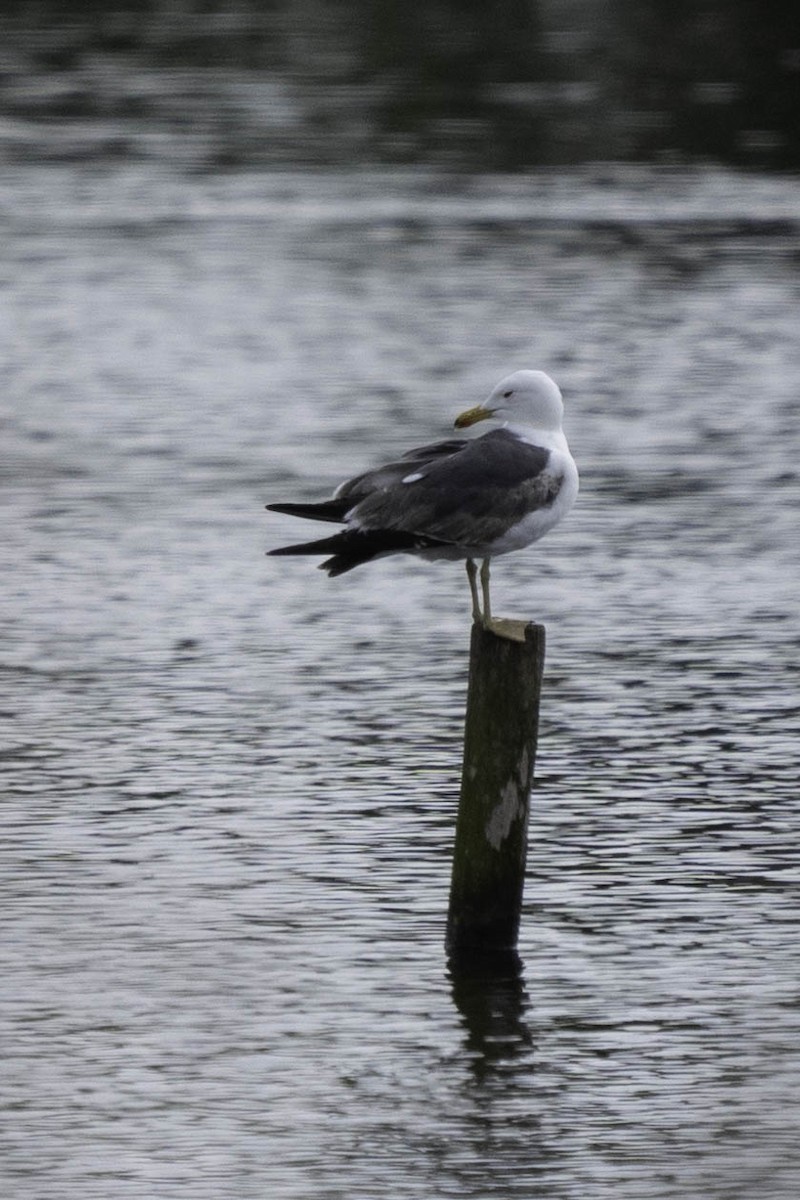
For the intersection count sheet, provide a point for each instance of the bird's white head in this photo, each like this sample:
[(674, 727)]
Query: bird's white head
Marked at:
[(529, 398)]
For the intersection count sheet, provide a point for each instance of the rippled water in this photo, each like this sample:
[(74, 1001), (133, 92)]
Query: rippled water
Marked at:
[(230, 783)]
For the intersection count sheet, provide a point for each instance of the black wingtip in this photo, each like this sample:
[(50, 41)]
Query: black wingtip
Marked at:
[(339, 564), (326, 510)]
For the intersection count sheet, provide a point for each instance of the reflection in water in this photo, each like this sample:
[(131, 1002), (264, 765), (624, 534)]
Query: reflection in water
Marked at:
[(503, 1123), (489, 992)]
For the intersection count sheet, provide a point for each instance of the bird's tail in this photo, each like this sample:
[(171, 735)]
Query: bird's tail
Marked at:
[(352, 547), (336, 544)]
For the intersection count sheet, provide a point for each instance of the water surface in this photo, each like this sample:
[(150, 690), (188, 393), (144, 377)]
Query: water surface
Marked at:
[(230, 783)]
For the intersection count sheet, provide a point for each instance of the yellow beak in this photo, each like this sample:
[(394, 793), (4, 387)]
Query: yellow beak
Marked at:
[(473, 415)]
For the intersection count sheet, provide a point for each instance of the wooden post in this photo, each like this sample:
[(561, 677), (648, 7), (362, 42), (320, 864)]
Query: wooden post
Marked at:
[(505, 678)]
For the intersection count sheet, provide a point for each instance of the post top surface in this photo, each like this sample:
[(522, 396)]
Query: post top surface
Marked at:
[(510, 628)]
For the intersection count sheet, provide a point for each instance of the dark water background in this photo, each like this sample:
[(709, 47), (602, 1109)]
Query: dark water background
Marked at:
[(230, 783), (467, 86)]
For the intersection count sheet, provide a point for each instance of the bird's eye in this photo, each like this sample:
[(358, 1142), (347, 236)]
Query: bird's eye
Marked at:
[(507, 394)]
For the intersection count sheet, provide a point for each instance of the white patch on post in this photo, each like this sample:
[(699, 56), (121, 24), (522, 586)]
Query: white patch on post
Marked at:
[(504, 815), (524, 769), (511, 807)]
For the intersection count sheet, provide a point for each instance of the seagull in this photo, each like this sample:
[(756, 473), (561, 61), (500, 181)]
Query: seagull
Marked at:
[(465, 498)]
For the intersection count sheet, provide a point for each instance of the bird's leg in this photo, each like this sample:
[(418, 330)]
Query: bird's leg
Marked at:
[(487, 604), (472, 574)]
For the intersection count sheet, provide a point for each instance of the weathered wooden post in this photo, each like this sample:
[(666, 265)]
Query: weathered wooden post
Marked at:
[(505, 679)]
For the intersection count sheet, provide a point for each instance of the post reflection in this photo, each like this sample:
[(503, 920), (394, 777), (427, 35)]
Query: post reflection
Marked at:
[(489, 992)]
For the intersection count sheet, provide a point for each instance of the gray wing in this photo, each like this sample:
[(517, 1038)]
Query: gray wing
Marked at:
[(467, 498), (392, 474)]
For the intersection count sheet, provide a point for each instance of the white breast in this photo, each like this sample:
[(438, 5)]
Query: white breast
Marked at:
[(536, 524)]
